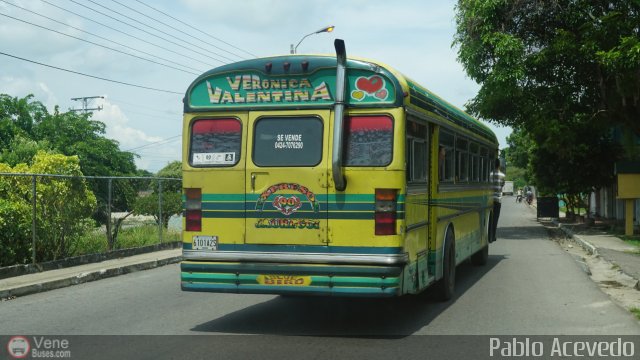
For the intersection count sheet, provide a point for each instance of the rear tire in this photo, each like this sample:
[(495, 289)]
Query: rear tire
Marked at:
[(481, 257), (446, 286)]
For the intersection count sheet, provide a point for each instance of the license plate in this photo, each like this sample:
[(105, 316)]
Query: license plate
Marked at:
[(202, 242), (284, 280)]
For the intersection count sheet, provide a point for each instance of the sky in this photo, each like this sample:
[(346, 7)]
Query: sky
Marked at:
[(163, 45)]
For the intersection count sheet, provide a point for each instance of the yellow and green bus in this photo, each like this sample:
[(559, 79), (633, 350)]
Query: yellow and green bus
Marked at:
[(328, 175)]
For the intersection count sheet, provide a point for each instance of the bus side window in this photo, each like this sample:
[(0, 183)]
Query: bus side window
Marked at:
[(462, 150), (474, 153), (417, 162), (446, 157), (484, 164)]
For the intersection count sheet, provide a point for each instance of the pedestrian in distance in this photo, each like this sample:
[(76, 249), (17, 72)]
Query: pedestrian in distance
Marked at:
[(497, 179)]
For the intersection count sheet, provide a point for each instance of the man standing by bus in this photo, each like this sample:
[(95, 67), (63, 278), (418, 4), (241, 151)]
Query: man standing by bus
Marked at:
[(497, 179)]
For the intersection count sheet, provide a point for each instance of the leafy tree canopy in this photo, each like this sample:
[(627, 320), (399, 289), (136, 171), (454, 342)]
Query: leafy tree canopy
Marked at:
[(63, 209), (562, 74), (26, 127), (171, 170), (542, 61)]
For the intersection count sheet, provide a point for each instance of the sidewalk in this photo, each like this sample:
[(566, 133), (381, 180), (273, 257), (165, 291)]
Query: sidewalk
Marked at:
[(54, 279), (607, 246)]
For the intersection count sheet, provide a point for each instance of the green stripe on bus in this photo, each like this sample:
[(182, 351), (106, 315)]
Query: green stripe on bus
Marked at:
[(336, 215), (321, 197)]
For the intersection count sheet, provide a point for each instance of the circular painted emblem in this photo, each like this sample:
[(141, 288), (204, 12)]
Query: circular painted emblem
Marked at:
[(18, 347), (287, 205)]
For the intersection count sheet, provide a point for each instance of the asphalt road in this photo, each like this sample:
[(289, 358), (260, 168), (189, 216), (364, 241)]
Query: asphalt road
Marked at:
[(530, 286)]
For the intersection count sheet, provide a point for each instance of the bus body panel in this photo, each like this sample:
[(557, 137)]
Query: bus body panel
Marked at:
[(222, 197), (286, 204)]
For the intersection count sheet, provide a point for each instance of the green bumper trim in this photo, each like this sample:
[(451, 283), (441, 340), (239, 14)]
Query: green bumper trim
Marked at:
[(369, 281)]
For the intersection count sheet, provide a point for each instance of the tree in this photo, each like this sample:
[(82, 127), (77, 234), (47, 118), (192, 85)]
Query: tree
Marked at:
[(171, 170), (64, 207), (520, 148), (22, 150), (149, 205), (15, 221), (171, 195), (557, 58), (25, 113), (563, 72), (26, 127)]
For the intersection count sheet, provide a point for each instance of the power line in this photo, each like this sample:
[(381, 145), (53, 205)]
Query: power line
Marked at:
[(155, 143), (154, 28), (154, 116), (91, 76), (176, 29), (143, 30), (194, 28), (125, 33), (164, 112), (101, 37), (93, 43)]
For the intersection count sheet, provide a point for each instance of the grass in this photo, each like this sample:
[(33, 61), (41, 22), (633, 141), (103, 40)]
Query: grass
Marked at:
[(633, 239), (618, 231), (96, 242), (635, 311)]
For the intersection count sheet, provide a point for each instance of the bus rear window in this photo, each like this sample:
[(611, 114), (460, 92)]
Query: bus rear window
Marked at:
[(368, 141), (292, 141), (215, 142)]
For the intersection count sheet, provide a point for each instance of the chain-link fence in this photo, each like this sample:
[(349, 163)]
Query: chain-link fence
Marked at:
[(46, 217)]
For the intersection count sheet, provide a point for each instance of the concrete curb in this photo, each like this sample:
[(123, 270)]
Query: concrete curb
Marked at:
[(25, 269), (587, 246), (86, 277)]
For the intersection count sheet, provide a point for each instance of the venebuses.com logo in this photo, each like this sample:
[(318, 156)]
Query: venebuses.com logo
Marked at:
[(18, 347)]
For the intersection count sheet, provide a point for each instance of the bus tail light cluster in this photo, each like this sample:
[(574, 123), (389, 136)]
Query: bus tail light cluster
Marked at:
[(386, 200), (193, 207)]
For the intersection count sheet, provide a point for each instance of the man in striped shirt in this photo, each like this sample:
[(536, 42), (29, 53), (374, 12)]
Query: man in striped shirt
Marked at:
[(497, 179)]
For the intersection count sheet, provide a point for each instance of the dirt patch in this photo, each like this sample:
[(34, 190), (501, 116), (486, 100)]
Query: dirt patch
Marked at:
[(622, 288)]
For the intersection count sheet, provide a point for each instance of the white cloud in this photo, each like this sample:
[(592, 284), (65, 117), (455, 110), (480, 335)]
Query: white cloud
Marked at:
[(25, 85), (118, 128)]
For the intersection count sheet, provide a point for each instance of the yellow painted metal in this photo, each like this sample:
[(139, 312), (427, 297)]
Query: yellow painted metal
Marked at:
[(628, 186), (220, 180), (260, 181)]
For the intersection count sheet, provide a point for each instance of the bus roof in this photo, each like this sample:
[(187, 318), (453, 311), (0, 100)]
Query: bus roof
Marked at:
[(308, 81)]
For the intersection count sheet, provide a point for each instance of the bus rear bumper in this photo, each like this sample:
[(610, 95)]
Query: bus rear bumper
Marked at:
[(292, 279)]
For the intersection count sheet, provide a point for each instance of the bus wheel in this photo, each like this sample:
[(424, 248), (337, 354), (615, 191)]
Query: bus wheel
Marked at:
[(481, 257), (448, 281)]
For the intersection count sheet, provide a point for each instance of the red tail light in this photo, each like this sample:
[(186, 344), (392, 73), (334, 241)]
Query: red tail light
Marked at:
[(385, 216), (193, 211)]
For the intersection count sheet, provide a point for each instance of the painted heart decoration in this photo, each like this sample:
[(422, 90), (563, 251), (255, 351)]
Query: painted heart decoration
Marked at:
[(357, 94), (382, 94), (370, 85)]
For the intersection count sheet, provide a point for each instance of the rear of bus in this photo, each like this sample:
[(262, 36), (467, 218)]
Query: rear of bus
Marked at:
[(262, 212)]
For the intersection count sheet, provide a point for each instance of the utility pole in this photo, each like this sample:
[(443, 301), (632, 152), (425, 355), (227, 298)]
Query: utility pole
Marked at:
[(85, 103)]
